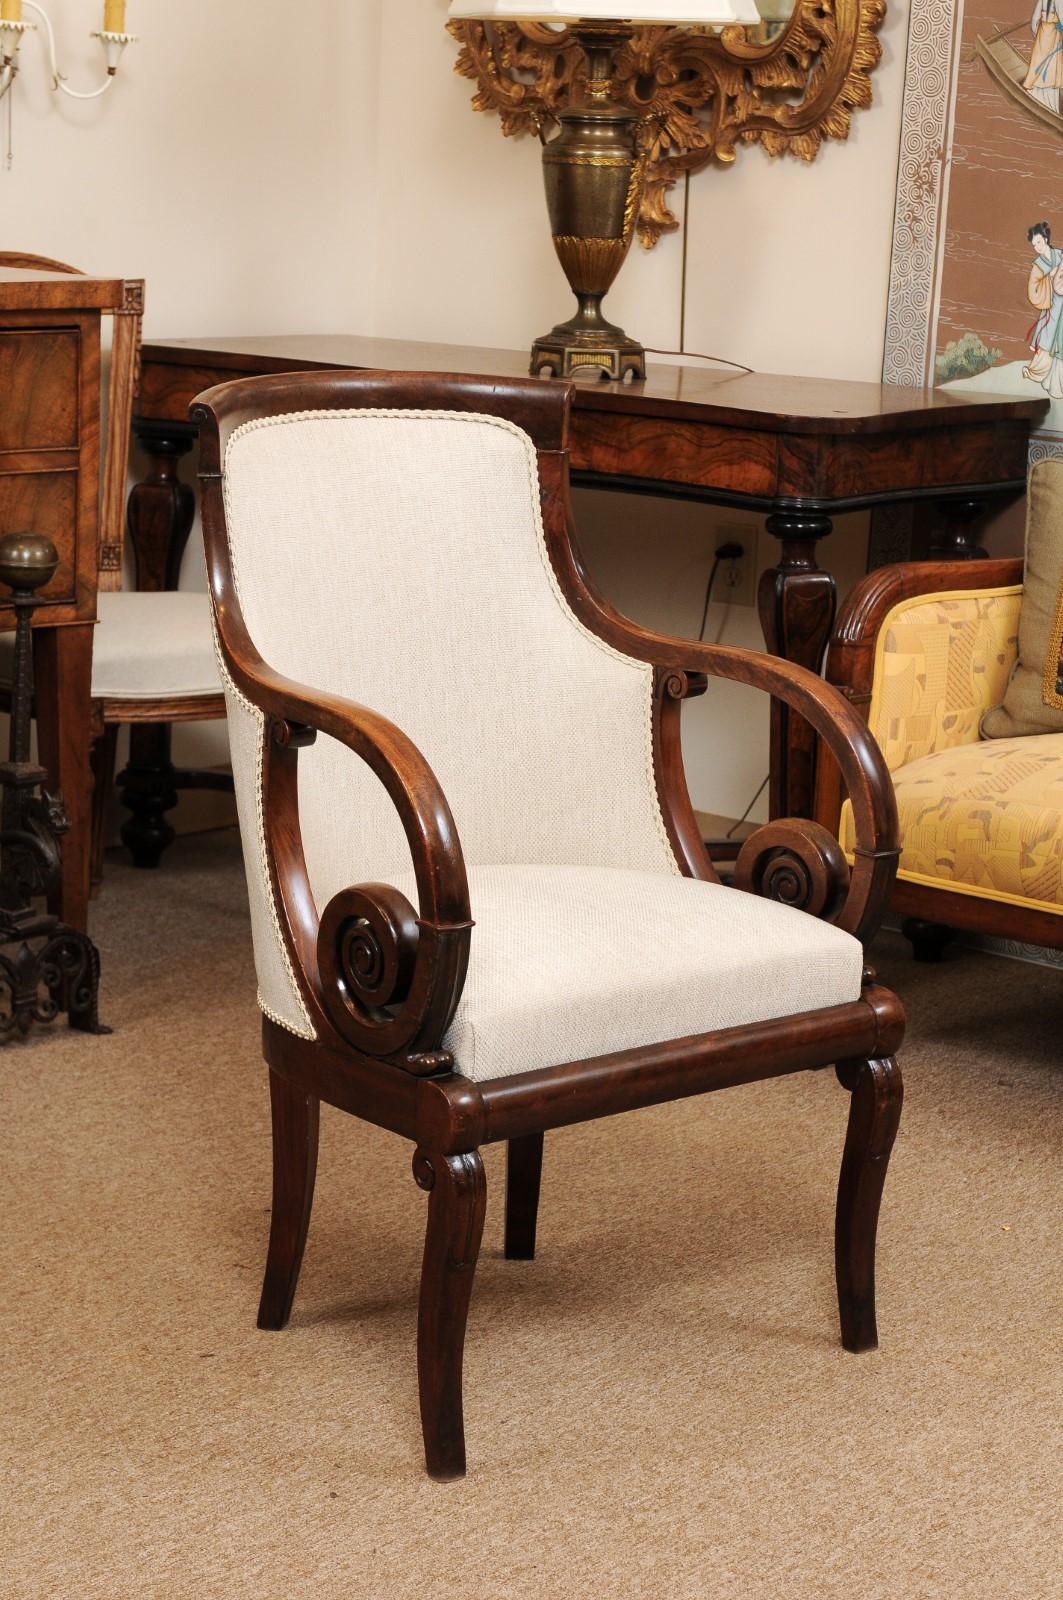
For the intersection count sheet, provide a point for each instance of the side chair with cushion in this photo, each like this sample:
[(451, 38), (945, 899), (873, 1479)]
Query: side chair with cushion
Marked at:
[(153, 661), (956, 667), (480, 905)]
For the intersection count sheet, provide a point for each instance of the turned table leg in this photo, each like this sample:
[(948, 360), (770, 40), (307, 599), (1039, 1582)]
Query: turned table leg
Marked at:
[(796, 601), (62, 663), (955, 535), (161, 507), (147, 790)]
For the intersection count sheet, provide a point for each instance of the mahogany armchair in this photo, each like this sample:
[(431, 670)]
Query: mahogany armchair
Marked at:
[(404, 543)]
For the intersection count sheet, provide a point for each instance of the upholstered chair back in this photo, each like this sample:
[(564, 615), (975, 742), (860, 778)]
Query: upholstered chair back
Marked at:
[(396, 557)]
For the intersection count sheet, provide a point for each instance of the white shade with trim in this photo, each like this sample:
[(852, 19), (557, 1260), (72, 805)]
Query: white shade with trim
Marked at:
[(677, 13)]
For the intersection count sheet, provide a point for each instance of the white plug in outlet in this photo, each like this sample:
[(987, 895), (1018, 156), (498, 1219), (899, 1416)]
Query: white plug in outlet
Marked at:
[(736, 581)]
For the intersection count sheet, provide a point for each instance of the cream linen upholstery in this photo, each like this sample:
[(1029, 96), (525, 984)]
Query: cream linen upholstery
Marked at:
[(397, 558), (146, 647), (570, 962)]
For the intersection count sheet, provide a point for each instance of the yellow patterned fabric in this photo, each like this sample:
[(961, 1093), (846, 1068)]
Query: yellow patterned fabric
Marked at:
[(984, 819), (942, 663)]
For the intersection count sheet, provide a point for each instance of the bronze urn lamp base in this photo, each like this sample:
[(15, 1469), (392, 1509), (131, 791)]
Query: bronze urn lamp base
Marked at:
[(594, 172), (596, 167)]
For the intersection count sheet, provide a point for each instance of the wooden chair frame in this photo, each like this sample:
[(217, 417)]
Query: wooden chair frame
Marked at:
[(379, 1051), (150, 781), (932, 914)]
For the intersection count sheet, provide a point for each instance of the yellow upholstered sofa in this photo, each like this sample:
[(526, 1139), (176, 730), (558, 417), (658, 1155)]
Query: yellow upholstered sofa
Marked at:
[(925, 649)]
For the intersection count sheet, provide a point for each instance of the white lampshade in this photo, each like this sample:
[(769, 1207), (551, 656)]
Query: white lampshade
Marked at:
[(667, 13)]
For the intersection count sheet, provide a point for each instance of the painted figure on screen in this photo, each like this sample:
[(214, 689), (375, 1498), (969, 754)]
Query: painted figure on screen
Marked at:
[(1044, 290), (1045, 77)]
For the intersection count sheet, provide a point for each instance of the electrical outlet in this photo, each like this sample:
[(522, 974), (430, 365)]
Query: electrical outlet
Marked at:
[(736, 582)]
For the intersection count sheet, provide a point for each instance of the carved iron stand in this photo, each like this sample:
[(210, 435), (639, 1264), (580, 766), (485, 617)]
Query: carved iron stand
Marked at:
[(51, 968)]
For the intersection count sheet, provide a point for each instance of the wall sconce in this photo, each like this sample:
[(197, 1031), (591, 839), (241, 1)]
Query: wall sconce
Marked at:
[(13, 27), (595, 168)]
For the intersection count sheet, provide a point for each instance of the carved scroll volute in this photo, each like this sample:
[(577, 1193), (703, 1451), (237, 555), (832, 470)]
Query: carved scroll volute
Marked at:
[(798, 863), (390, 981), (700, 94), (673, 686)]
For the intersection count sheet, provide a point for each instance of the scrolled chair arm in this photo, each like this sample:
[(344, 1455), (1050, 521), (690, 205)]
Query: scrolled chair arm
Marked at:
[(383, 975), (794, 860)]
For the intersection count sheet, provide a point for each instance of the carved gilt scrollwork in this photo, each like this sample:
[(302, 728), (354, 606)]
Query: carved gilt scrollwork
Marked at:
[(798, 863), (701, 94)]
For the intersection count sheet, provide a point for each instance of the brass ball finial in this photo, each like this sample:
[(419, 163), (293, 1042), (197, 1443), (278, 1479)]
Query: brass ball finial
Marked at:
[(27, 560)]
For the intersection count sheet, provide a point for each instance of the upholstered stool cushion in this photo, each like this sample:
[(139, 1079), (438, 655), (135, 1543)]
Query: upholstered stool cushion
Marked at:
[(984, 819), (569, 962), (146, 647)]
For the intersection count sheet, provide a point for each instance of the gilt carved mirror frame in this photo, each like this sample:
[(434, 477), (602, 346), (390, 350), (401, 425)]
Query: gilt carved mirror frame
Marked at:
[(701, 94)]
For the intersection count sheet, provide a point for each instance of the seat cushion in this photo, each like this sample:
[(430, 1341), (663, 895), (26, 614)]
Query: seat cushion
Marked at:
[(984, 819), (571, 962), (146, 647)]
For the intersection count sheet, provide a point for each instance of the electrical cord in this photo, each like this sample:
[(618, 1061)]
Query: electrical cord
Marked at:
[(731, 830), (730, 550), (652, 349), (708, 597)]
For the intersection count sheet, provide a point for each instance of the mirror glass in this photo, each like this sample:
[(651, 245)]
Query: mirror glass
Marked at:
[(774, 15)]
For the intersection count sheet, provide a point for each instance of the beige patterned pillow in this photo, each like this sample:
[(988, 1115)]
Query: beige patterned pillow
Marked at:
[(1033, 700)]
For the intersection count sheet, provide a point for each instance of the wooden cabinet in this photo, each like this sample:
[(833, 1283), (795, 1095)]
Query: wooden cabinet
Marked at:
[(52, 459)]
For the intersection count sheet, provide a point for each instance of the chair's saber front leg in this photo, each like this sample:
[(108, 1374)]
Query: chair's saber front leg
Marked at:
[(296, 1117), (874, 1114), (457, 1200)]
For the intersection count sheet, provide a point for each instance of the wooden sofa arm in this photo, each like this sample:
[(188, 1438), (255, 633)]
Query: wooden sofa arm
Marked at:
[(851, 655), (854, 647)]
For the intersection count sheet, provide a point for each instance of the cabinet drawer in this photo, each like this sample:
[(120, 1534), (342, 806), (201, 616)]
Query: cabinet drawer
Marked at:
[(39, 388), (44, 502)]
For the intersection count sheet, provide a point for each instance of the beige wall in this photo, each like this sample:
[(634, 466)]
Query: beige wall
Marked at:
[(787, 271), (346, 184), (231, 173), (235, 175)]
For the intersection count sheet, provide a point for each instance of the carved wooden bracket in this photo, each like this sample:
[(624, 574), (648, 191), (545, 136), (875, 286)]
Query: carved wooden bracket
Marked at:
[(701, 94)]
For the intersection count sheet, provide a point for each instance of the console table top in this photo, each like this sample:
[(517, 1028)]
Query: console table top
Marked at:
[(763, 400)]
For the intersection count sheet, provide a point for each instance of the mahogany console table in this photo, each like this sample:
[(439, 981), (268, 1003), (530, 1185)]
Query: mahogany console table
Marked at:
[(800, 450)]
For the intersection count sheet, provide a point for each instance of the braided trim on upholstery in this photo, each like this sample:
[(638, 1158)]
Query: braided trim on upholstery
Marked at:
[(308, 1030), (531, 461)]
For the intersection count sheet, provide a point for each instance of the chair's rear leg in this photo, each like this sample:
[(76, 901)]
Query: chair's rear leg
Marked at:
[(524, 1170), (457, 1199), (874, 1113), (296, 1116)]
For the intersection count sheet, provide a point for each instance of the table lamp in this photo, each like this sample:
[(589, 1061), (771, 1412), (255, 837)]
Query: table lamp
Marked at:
[(595, 167)]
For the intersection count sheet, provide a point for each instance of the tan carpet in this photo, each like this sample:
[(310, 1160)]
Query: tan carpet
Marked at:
[(658, 1406)]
